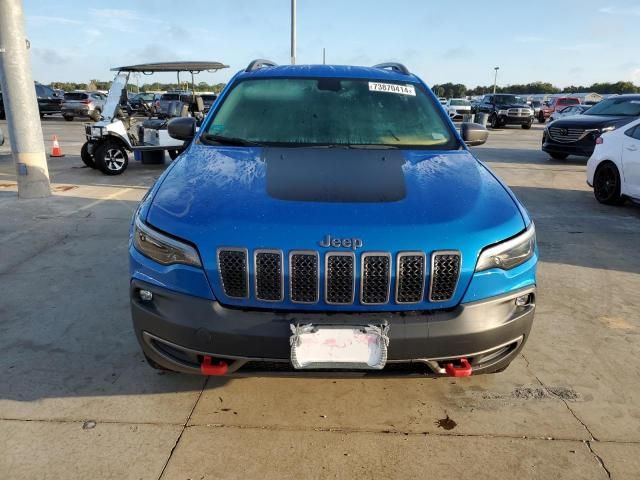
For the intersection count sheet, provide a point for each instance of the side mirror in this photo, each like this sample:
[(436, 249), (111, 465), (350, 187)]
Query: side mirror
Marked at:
[(473, 134), (182, 128)]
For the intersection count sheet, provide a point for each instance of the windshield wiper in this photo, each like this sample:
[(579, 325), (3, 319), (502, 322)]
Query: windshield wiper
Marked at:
[(221, 139)]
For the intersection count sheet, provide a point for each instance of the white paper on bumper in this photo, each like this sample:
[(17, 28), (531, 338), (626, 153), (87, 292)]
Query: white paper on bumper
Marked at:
[(339, 346)]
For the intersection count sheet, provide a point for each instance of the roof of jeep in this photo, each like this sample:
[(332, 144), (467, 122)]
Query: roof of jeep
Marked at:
[(328, 71)]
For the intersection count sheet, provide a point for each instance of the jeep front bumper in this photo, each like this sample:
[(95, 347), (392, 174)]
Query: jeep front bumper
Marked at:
[(176, 331)]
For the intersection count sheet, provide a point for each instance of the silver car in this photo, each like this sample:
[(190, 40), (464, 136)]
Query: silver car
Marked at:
[(82, 104)]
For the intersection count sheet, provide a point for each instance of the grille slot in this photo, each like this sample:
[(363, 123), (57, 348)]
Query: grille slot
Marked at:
[(567, 135), (268, 273), (303, 277), (410, 277), (234, 272), (339, 278), (445, 270), (375, 280)]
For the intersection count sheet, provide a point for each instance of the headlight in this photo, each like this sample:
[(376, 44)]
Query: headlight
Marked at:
[(163, 249), (607, 129), (503, 112), (509, 254)]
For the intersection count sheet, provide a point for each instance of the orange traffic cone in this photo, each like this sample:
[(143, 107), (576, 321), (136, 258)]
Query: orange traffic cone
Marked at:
[(56, 151)]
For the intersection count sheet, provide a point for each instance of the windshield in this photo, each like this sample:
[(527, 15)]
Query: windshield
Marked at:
[(75, 96), (330, 111), (460, 103), (625, 107), (506, 99)]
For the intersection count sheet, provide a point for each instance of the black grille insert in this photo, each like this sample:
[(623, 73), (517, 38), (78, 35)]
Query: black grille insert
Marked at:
[(232, 264), (340, 278), (376, 270), (410, 277), (303, 277), (445, 270), (268, 275)]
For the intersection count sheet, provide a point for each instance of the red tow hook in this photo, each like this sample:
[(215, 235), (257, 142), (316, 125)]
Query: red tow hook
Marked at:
[(209, 368), (463, 371)]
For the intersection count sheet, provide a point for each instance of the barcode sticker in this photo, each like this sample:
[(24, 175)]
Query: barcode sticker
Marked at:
[(392, 88)]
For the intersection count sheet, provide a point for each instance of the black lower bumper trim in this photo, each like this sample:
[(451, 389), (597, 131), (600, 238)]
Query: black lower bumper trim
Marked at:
[(194, 324)]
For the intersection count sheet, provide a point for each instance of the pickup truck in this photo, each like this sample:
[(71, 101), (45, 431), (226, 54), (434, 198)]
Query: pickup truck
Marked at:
[(329, 219), (49, 101), (506, 109)]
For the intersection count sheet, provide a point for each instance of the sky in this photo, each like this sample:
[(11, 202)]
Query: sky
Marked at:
[(565, 42)]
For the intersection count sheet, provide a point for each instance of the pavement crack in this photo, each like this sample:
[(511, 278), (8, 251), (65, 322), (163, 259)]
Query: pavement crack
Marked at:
[(184, 427), (598, 458)]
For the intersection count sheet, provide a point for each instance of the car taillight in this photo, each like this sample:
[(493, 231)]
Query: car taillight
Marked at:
[(599, 141)]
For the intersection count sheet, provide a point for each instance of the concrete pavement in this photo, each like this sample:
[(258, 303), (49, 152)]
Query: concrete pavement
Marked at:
[(78, 401)]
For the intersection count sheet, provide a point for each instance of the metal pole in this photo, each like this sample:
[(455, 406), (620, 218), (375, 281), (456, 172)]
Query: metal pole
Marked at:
[(20, 104), (293, 32), (324, 56), (495, 79)]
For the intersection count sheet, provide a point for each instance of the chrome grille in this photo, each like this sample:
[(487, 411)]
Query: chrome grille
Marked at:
[(445, 270), (410, 277), (567, 135), (268, 275), (375, 278), (339, 278), (232, 264), (303, 277), (519, 112)]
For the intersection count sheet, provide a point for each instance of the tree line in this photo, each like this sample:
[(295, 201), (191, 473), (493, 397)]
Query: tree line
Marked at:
[(132, 87), (456, 90)]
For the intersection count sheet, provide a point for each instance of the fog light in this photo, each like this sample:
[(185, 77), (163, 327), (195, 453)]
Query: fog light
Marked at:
[(145, 295), (523, 300)]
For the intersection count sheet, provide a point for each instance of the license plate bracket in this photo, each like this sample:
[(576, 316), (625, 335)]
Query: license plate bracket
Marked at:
[(339, 346)]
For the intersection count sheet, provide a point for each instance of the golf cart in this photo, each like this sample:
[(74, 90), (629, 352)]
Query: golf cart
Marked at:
[(114, 136)]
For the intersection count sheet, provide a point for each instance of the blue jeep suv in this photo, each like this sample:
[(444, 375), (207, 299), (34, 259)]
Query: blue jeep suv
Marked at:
[(330, 220)]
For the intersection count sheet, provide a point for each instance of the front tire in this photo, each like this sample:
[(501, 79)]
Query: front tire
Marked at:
[(111, 157), (86, 157), (527, 126), (68, 118), (541, 117), (558, 156), (494, 121), (607, 185)]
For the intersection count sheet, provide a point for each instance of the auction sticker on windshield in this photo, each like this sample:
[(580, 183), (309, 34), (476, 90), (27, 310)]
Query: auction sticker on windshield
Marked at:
[(392, 88)]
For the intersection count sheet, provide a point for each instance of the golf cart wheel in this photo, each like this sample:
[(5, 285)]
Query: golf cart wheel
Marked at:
[(173, 154), (86, 157), (606, 184), (494, 121), (68, 118), (111, 157), (558, 156)]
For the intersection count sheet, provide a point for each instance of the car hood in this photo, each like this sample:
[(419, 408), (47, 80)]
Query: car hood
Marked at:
[(592, 121), (291, 198)]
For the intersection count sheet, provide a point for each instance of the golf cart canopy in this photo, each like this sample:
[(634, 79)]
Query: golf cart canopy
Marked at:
[(192, 67)]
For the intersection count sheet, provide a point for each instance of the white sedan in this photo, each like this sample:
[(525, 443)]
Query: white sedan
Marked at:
[(614, 168)]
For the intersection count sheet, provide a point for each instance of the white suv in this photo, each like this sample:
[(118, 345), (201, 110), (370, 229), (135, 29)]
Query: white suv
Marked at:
[(457, 107)]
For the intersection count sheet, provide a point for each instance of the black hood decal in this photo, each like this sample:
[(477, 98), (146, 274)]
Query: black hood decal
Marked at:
[(335, 174)]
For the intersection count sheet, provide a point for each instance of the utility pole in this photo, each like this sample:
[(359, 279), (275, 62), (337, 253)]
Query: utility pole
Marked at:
[(495, 79), (324, 56), (293, 32), (20, 104)]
